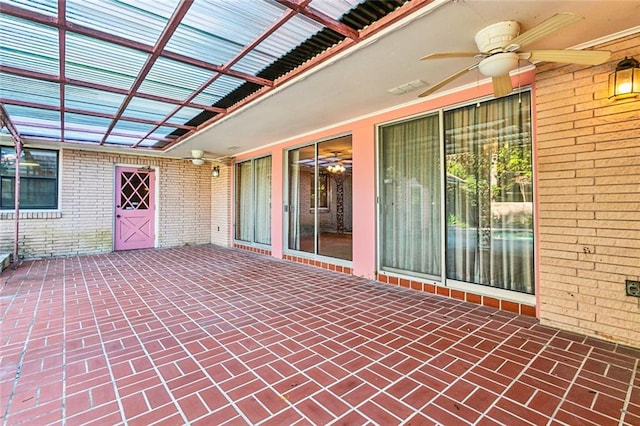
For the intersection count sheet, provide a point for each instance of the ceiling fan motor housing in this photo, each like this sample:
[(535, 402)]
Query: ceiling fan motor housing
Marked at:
[(495, 37)]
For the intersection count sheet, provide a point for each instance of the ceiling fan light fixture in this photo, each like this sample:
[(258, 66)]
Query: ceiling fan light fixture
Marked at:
[(499, 64), (197, 161), (624, 82), (336, 168), (197, 153)]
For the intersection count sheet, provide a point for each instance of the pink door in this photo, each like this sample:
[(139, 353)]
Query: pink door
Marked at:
[(135, 208)]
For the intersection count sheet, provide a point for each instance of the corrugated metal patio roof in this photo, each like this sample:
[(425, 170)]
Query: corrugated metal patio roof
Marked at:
[(145, 74)]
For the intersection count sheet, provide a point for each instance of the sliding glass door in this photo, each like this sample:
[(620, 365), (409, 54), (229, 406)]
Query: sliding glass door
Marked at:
[(320, 198), (486, 187), (253, 201)]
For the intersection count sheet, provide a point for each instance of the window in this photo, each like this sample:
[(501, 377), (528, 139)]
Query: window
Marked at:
[(38, 178), (253, 201)]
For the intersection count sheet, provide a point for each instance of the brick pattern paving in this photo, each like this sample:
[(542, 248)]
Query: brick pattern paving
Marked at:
[(210, 335)]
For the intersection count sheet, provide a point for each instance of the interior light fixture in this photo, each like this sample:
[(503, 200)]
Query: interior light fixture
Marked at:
[(215, 172), (624, 82), (336, 168)]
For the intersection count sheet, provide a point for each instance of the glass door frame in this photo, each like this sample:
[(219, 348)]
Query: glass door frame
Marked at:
[(287, 204), (529, 299)]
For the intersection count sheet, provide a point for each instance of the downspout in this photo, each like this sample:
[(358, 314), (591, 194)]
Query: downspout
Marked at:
[(16, 213)]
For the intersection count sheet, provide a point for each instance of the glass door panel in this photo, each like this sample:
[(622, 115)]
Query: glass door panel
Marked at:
[(302, 171), (334, 192), (263, 200), (244, 201), (489, 201), (410, 197)]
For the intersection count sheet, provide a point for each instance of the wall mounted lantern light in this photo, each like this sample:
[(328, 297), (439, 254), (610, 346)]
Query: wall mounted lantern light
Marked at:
[(624, 82), (215, 172)]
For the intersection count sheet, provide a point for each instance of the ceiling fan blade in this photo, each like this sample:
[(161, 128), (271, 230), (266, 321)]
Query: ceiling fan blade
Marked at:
[(446, 81), (582, 57), (443, 55), (543, 29), (502, 85)]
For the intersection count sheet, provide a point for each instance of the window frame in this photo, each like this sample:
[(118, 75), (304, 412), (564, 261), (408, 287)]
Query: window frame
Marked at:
[(23, 178)]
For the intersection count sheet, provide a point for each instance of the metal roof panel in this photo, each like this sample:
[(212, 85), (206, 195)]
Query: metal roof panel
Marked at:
[(101, 62), (28, 45), (174, 79), (35, 122), (95, 123), (82, 136), (148, 109), (185, 114), (137, 20), (283, 40), (216, 30), (40, 6), (220, 88), (29, 90), (92, 99), (334, 8)]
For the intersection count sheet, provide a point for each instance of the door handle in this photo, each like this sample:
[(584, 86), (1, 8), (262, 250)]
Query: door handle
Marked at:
[(117, 215)]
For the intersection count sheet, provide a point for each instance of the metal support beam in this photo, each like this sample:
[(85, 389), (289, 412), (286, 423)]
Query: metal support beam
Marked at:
[(322, 19), (62, 55), (90, 113), (80, 83), (6, 121)]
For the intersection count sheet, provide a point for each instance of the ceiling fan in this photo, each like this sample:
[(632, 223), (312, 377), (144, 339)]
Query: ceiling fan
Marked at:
[(499, 50), (198, 158)]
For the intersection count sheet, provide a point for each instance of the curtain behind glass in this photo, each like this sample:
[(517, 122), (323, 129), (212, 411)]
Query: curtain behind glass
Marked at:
[(244, 202), (410, 175), (294, 199), (263, 201), (489, 204)]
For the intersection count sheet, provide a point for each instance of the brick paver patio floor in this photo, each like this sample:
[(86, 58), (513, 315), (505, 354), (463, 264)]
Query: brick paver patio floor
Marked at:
[(210, 335)]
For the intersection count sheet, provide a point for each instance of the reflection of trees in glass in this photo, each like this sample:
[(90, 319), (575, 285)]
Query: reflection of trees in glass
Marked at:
[(512, 168), (488, 175), (468, 175)]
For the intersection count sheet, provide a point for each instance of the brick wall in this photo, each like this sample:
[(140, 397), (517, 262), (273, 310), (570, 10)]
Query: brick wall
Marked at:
[(221, 199), (588, 153), (84, 223)]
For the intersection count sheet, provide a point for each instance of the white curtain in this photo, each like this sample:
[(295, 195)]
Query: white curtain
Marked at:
[(263, 200), (244, 201), (294, 199), (489, 199), (410, 174)]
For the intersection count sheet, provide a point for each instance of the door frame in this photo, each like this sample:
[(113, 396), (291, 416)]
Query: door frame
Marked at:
[(156, 193)]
